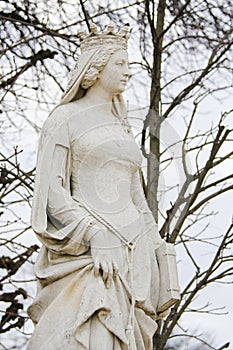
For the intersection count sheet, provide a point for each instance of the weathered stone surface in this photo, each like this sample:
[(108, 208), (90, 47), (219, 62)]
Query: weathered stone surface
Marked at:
[(97, 272)]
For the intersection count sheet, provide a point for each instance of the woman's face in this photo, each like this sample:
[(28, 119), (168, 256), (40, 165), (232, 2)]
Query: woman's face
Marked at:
[(115, 74)]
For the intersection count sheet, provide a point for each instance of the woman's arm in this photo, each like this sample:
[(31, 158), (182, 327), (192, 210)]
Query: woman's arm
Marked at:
[(63, 210)]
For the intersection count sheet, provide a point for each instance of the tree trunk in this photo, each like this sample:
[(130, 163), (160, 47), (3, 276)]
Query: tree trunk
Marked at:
[(154, 113), (154, 119)]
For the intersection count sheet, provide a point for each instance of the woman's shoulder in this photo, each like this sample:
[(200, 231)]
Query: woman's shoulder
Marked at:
[(55, 127), (61, 116), (65, 111)]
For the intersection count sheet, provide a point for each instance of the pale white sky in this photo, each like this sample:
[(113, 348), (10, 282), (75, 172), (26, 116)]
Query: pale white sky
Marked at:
[(220, 327)]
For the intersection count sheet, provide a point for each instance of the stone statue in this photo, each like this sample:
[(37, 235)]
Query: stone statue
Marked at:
[(97, 272)]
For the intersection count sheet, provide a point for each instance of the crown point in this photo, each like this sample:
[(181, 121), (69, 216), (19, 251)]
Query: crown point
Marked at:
[(81, 35), (110, 28), (124, 31), (93, 28)]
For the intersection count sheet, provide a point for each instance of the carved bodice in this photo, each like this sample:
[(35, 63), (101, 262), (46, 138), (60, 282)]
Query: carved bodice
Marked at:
[(104, 159)]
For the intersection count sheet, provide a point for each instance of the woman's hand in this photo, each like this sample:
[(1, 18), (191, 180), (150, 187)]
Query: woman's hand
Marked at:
[(101, 252)]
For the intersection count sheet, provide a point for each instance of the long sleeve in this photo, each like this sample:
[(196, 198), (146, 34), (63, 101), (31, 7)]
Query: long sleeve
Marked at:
[(63, 211), (61, 208)]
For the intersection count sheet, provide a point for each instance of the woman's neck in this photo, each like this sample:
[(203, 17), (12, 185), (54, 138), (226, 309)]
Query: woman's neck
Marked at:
[(101, 99)]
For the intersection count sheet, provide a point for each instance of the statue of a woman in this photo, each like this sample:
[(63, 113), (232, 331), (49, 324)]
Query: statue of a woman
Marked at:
[(98, 279)]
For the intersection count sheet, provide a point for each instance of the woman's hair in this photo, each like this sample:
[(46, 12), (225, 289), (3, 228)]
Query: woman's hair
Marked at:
[(97, 66)]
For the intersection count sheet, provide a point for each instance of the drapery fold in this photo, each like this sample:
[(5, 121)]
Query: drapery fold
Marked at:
[(69, 296)]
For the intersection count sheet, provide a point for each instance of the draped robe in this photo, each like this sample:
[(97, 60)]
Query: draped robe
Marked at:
[(67, 211)]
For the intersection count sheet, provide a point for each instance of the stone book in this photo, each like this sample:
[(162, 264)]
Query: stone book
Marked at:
[(169, 286)]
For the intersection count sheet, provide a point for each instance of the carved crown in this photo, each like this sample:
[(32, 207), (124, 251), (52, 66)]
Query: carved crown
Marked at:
[(96, 39)]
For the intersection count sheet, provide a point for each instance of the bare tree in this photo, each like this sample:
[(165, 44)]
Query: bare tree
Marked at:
[(184, 62)]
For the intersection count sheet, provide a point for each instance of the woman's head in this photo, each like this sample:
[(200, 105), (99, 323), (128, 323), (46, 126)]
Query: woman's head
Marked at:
[(96, 52), (97, 66), (114, 75)]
